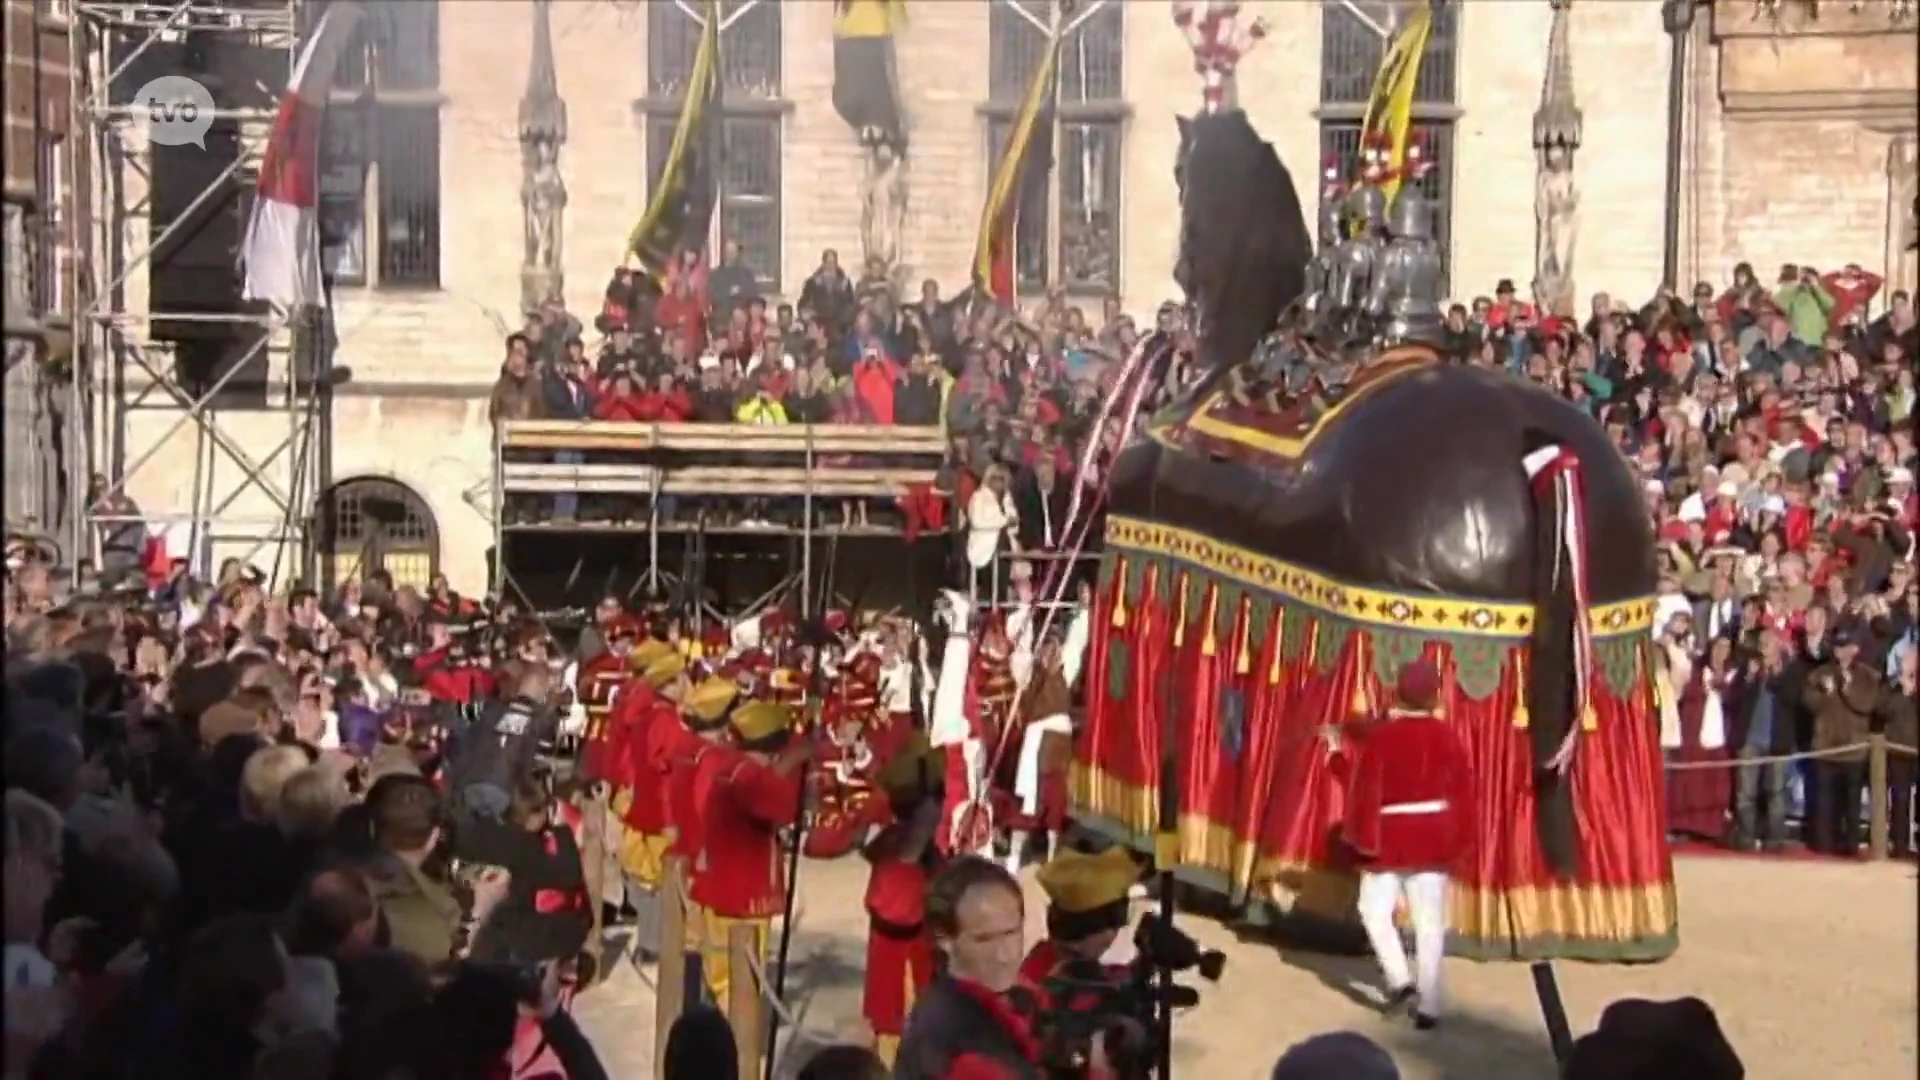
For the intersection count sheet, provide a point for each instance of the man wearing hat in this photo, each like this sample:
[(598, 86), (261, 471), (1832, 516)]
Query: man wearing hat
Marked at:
[(1063, 976), (903, 860), (1408, 817), (638, 786), (747, 793)]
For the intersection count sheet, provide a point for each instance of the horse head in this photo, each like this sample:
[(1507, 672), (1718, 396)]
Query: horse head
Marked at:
[(1244, 242)]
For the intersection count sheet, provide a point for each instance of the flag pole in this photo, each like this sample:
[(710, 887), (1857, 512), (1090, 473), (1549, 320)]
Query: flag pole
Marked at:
[(1053, 274)]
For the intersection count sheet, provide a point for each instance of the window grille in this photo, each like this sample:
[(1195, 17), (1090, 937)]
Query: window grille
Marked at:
[(385, 113), (1089, 176), (1351, 48), (749, 210), (409, 181), (752, 140), (1084, 171), (1090, 57), (373, 523), (749, 46)]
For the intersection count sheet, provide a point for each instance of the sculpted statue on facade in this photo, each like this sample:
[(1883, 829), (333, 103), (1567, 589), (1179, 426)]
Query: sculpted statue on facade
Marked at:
[(883, 209), (1556, 201)]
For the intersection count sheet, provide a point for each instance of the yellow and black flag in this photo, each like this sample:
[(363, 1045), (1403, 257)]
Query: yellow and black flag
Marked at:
[(680, 210), (866, 92), (1026, 160), (1389, 114)]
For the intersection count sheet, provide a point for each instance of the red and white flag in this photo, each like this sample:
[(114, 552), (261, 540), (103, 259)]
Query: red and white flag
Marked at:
[(282, 252)]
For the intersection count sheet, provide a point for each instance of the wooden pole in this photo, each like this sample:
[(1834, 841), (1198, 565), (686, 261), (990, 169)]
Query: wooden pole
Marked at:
[(669, 992), (1877, 796), (746, 1006)]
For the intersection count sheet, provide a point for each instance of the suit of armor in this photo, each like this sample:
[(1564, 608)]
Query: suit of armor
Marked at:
[(1410, 273), (1358, 255), (1320, 269)]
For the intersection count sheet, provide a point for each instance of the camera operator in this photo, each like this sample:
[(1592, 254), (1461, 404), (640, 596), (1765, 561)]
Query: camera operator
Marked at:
[(500, 745), (1074, 1001), (962, 1027), (546, 914)]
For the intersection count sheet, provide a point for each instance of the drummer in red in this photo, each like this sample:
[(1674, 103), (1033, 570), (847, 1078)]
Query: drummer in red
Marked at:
[(1409, 812)]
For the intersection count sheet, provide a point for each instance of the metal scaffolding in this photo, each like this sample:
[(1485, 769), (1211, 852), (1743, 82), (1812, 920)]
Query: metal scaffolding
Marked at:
[(137, 409)]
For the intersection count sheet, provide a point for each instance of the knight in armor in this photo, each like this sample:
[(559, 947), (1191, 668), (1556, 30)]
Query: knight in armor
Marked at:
[(1406, 287), (1320, 269), (1408, 817)]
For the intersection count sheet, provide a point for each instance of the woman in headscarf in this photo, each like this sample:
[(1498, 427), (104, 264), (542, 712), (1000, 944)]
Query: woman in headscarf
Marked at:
[(1700, 790)]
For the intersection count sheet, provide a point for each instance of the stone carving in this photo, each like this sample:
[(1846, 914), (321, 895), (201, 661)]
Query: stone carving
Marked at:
[(543, 194), (1556, 197), (883, 206), (1903, 207)]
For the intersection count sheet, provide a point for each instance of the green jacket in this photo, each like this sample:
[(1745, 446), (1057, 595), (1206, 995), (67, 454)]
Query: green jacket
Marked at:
[(1807, 308)]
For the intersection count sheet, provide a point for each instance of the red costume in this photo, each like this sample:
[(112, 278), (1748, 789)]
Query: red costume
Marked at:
[(598, 685), (899, 948), (1409, 793)]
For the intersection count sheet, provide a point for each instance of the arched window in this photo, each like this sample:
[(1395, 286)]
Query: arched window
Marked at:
[(750, 45), (372, 523), (386, 112), (1353, 36), (1068, 231)]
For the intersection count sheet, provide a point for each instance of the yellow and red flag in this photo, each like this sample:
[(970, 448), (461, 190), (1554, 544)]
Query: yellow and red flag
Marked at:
[(1027, 159), (1389, 115)]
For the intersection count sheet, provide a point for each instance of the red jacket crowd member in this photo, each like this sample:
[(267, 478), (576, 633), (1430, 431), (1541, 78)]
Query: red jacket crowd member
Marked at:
[(902, 857), (1409, 814), (747, 792), (598, 683), (639, 788)]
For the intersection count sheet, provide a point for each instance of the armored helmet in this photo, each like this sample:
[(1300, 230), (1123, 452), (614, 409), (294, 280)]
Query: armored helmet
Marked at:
[(1365, 210), (1412, 218)]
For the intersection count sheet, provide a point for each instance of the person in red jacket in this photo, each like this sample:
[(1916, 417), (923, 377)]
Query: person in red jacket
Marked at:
[(747, 793), (902, 857), (621, 399), (666, 403), (1408, 818)]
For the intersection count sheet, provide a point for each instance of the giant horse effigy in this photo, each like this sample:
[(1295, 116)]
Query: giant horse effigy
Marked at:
[(1333, 500)]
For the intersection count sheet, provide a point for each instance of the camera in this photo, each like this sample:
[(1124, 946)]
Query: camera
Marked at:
[(1086, 1000)]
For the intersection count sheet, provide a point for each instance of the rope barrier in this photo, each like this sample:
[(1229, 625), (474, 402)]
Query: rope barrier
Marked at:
[(1781, 759)]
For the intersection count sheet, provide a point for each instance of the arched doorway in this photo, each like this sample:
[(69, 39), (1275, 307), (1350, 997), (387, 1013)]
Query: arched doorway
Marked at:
[(372, 523)]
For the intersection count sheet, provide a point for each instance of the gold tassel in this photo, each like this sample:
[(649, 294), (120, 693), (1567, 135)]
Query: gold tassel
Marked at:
[(1180, 612), (1521, 717), (1242, 662), (1120, 594), (1590, 718), (1209, 645), (1361, 703)]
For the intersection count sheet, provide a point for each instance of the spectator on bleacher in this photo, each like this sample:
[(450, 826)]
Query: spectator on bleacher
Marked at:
[(682, 310), (622, 399), (517, 394), (805, 402), (919, 392), (761, 406), (1805, 302), (829, 295), (875, 378), (732, 283), (992, 525), (667, 402)]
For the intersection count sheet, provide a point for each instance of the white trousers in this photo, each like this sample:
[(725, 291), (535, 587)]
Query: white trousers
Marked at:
[(1426, 896)]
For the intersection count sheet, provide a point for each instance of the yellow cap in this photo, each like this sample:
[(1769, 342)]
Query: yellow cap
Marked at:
[(664, 669), (1076, 883), (756, 720), (646, 653), (709, 699), (902, 775)]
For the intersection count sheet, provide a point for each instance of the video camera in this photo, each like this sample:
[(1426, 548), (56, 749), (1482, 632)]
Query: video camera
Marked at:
[(1121, 1006)]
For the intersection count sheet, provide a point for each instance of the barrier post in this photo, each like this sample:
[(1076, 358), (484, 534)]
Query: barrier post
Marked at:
[(746, 1005), (1877, 796), (669, 991)]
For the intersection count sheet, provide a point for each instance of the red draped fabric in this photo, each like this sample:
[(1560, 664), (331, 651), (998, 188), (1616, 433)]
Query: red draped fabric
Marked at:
[(1261, 803)]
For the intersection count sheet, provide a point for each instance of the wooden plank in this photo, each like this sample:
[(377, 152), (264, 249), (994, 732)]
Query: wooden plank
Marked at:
[(745, 438), (669, 992)]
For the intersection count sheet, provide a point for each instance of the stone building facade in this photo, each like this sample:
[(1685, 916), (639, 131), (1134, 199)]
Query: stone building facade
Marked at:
[(1768, 178), (39, 212)]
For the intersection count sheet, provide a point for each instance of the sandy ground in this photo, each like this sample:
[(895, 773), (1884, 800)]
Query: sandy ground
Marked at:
[(1810, 965)]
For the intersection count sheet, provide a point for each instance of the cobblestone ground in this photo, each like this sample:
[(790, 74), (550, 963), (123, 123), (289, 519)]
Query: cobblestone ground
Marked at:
[(1811, 967)]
